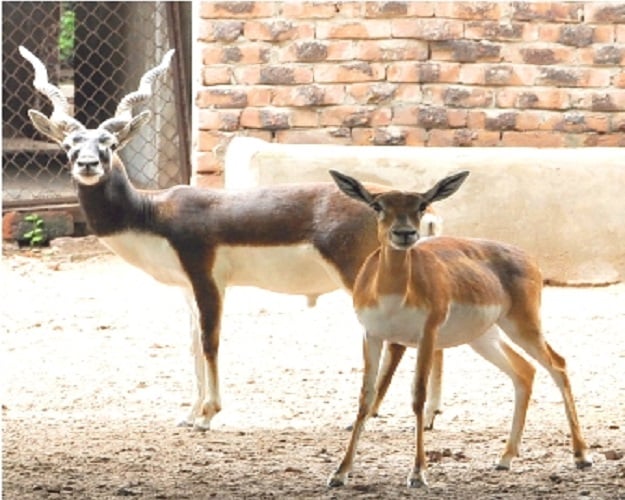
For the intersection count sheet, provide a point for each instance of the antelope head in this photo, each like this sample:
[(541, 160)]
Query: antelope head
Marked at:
[(90, 151), (399, 214)]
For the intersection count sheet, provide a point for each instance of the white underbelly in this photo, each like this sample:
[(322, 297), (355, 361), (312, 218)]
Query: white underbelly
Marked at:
[(391, 321), (150, 253), (293, 269)]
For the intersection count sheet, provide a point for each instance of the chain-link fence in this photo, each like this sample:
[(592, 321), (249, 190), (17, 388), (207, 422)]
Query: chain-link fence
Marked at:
[(96, 53)]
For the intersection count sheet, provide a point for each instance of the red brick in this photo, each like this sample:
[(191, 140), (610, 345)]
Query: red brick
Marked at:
[(605, 140), (458, 96), (215, 75), (493, 30), (427, 29), (617, 122), (538, 139), (391, 50), (476, 119), (223, 31), (386, 9), (442, 72), (547, 11), (56, 223), (273, 75), (308, 10), (465, 51), (381, 117), (258, 96), (236, 9), (619, 79), (604, 100), (541, 54), (210, 119), (409, 93), (469, 10), (532, 98), (346, 116), (457, 118), (405, 114), (249, 53), (389, 136), (462, 138), (349, 10), (277, 30), (308, 95), (359, 71), (354, 29), (619, 37), (313, 136), (221, 97), (315, 51), (373, 93), (308, 118), (209, 140), (269, 118), (604, 12), (208, 181), (208, 163)]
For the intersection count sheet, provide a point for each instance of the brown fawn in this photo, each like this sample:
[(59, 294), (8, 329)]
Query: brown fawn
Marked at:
[(441, 292)]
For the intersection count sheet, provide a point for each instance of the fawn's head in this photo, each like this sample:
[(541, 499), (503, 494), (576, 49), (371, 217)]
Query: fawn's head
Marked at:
[(399, 213), (90, 151)]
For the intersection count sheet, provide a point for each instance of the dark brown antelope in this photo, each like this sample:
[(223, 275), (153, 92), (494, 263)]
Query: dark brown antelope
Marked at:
[(443, 292), (296, 239)]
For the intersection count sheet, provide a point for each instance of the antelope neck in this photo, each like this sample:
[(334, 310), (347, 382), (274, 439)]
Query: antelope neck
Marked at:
[(114, 205)]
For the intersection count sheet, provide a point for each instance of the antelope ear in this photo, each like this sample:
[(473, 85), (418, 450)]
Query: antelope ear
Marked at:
[(130, 129), (446, 187), (351, 187), (51, 129)]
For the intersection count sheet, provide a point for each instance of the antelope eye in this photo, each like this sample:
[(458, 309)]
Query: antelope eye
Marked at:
[(423, 207), (376, 206)]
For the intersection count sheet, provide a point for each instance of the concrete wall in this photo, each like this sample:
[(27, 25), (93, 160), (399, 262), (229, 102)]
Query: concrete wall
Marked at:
[(565, 206)]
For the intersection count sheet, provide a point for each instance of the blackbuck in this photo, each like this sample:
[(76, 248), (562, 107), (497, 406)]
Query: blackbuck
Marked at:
[(304, 239), (442, 292)]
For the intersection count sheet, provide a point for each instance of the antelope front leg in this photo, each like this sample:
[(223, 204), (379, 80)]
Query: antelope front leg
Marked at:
[(209, 298), (416, 478), (372, 349)]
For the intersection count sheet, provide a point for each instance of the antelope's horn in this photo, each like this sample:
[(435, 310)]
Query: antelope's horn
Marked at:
[(60, 112)]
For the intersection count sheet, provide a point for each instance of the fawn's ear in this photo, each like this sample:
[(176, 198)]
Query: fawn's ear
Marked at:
[(351, 187), (446, 187)]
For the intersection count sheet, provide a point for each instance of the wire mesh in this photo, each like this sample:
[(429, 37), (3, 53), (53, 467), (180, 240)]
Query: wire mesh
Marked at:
[(96, 53)]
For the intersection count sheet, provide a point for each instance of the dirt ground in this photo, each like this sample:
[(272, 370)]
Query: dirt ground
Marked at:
[(97, 370)]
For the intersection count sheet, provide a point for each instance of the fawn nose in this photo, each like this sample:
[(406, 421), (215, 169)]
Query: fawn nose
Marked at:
[(404, 235)]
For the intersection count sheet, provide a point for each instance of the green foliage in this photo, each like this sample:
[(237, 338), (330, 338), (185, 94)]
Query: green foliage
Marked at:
[(37, 236), (66, 35)]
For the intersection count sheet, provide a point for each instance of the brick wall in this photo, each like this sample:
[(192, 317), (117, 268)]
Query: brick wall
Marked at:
[(548, 74)]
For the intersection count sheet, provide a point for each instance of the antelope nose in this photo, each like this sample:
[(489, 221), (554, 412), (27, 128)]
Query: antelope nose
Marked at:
[(405, 233), (87, 163)]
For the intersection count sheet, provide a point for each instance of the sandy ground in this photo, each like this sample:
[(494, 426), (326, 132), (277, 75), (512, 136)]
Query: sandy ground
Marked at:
[(96, 371)]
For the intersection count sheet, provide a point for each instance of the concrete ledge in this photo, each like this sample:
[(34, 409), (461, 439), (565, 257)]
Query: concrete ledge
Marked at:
[(566, 206)]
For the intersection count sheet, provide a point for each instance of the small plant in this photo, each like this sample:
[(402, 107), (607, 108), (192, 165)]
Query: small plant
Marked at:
[(66, 35), (37, 236)]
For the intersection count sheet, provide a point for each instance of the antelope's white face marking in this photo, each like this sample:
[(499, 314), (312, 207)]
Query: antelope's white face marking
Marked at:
[(90, 153), (391, 319)]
